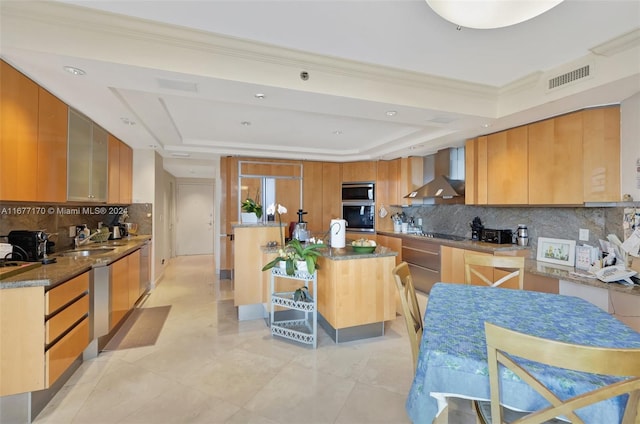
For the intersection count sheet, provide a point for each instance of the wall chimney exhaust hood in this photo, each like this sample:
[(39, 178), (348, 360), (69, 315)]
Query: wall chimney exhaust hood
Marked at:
[(448, 177)]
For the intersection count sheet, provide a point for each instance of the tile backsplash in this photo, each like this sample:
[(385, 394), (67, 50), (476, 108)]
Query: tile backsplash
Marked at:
[(56, 219)]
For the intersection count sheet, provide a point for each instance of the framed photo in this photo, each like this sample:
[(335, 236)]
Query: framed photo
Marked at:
[(583, 257), (556, 251)]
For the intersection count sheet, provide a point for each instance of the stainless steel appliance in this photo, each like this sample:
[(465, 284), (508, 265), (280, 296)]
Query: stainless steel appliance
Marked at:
[(496, 236), (423, 258), (522, 235), (353, 192), (358, 206)]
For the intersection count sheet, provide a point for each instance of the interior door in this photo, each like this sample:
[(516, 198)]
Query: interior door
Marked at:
[(194, 218)]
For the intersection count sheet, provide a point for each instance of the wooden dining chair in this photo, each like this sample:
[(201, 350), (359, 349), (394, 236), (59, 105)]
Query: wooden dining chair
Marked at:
[(410, 307), (475, 264), (502, 344)]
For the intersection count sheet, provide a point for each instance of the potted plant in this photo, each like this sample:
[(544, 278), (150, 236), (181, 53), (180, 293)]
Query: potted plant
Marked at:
[(294, 254), (297, 256), (251, 210)]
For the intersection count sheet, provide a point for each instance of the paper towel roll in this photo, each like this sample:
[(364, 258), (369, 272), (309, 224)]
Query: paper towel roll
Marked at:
[(338, 230)]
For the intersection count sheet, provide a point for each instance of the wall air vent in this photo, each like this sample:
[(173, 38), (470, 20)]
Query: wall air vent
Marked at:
[(571, 76)]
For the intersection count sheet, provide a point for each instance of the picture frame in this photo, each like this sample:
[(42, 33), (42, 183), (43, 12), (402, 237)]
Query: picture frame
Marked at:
[(556, 251), (583, 257)]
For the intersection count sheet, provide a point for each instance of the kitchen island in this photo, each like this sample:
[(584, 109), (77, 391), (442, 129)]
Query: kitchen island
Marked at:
[(356, 292)]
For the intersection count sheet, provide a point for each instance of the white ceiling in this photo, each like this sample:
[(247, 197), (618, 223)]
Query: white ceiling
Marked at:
[(186, 72)]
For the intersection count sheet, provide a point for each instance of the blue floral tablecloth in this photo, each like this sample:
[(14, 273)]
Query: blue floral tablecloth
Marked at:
[(453, 356)]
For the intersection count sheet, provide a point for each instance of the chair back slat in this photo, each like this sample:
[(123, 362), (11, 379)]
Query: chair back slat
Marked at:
[(504, 344), (477, 266), (410, 307)]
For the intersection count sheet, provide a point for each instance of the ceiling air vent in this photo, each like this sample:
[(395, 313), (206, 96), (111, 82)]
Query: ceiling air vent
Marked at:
[(574, 75)]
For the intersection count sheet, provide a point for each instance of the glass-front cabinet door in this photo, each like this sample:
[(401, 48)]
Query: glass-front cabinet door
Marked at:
[(87, 160)]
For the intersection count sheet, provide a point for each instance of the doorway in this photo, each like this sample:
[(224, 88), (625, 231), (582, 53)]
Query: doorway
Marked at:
[(194, 217)]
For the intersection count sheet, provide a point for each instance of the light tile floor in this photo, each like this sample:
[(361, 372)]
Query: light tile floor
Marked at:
[(207, 367)]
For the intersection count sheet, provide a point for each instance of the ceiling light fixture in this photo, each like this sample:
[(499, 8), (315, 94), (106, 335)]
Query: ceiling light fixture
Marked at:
[(259, 96), (391, 113), (337, 132), (488, 14), (74, 71), (127, 121), (245, 123)]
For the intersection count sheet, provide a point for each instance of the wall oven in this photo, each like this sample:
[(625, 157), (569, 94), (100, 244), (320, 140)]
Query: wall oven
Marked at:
[(358, 207)]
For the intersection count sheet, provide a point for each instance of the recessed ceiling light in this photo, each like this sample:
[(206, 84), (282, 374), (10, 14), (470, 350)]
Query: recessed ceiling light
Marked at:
[(391, 113), (245, 123), (337, 132), (74, 71), (485, 125), (259, 96), (127, 121)]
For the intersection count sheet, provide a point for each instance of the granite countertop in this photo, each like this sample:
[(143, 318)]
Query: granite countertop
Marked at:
[(67, 267), (565, 273), (345, 253), (532, 266), (468, 244)]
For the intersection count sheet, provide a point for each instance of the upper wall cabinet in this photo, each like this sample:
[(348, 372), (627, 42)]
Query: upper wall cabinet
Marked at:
[(356, 172), (567, 160), (88, 159), (19, 135), (601, 154), (507, 167), (555, 161), (120, 170), (33, 133)]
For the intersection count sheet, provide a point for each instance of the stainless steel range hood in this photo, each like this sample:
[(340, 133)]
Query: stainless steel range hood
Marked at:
[(448, 176)]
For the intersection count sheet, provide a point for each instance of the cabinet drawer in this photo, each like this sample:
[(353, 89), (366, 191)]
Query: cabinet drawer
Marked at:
[(62, 321), (61, 355), (63, 294)]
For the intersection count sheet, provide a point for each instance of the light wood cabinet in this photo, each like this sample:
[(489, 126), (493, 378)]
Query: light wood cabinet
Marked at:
[(393, 243), (355, 172), (555, 161), (507, 169), (21, 340), (124, 287), (312, 196), (249, 278), (452, 265), (476, 171), (118, 292), (331, 192), (18, 135), (120, 171), (356, 291), (386, 191), (410, 177), (66, 325), (52, 148), (567, 160), (601, 153), (134, 278)]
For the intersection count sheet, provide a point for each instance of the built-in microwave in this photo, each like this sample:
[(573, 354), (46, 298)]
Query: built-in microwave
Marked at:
[(358, 192), (360, 216)]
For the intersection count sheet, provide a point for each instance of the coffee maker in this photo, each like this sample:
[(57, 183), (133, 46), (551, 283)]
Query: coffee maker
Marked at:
[(29, 246)]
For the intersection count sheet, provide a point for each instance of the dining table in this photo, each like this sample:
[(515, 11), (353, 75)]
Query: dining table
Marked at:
[(452, 360)]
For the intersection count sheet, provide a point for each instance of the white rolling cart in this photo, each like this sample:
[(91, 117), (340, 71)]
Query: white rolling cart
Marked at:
[(303, 330)]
